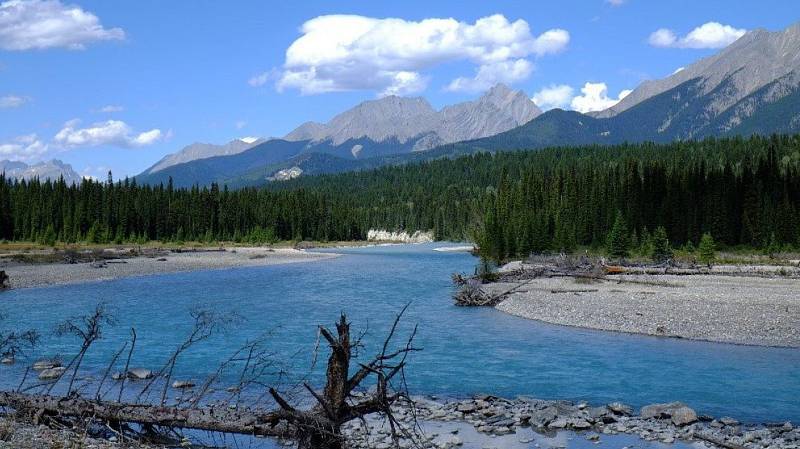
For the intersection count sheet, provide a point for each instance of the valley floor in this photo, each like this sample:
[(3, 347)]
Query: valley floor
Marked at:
[(118, 263), (749, 310)]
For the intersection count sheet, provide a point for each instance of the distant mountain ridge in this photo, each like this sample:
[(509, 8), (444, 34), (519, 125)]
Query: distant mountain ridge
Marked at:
[(414, 119), (199, 150), (53, 170), (387, 126)]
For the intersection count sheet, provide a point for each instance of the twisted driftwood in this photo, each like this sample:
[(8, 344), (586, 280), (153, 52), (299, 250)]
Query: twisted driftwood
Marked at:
[(317, 428)]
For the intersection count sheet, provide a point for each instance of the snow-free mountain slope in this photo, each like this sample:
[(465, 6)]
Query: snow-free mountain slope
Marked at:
[(198, 150), (52, 169)]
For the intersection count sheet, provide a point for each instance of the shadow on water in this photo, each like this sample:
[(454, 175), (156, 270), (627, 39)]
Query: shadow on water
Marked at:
[(466, 351)]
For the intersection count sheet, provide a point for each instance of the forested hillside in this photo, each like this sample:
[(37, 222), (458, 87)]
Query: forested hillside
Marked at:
[(741, 191)]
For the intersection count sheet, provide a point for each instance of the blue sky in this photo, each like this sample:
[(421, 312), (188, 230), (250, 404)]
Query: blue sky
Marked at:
[(117, 85)]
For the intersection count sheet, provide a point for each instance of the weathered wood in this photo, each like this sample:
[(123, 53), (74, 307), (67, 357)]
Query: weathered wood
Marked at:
[(220, 419)]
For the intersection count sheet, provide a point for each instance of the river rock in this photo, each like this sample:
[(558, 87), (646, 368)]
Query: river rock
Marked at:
[(118, 376), (728, 421), (7, 361), (466, 408), (44, 364), (140, 374), (52, 373), (620, 409), (677, 412), (181, 384)]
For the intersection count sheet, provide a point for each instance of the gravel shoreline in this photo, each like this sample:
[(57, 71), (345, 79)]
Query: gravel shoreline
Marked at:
[(486, 421), (728, 309), (41, 275)]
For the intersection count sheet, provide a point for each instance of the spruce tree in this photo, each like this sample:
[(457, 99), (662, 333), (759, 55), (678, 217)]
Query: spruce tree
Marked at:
[(662, 251), (707, 250), (617, 242)]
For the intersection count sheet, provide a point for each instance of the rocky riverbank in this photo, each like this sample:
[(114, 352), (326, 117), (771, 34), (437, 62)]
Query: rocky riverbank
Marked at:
[(754, 307), (118, 263), (508, 423), (491, 422)]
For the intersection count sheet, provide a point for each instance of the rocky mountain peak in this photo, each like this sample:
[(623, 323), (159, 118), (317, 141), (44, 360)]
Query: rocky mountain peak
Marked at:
[(52, 169), (753, 61), (406, 118)]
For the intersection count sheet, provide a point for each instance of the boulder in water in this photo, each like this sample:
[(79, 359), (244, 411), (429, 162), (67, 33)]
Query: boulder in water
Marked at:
[(139, 374), (182, 384), (52, 373), (677, 412), (41, 365)]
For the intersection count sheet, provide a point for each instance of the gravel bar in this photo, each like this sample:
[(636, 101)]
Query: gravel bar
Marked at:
[(40, 275), (743, 310)]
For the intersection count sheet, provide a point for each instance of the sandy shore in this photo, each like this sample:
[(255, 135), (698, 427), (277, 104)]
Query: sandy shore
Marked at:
[(39, 275), (742, 310)]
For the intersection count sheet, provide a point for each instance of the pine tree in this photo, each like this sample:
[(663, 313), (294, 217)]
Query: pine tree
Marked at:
[(707, 250), (617, 241), (662, 251)]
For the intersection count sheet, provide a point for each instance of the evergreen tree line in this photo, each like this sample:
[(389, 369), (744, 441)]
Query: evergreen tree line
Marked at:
[(741, 191)]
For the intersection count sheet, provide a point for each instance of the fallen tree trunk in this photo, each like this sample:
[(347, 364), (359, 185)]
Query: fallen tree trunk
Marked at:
[(220, 419)]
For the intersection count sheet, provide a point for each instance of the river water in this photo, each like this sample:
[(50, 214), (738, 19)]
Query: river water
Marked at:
[(465, 350)]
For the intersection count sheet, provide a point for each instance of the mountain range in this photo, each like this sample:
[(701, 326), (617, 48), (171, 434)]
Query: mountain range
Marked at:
[(387, 126), (53, 169)]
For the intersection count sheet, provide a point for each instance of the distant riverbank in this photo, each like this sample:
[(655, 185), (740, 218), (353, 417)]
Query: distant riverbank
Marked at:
[(118, 263), (741, 309)]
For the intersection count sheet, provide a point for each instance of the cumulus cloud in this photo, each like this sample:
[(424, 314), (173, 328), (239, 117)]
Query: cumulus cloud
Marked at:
[(350, 52), (594, 97), (23, 148), (111, 132), (40, 24), (554, 96), (12, 101), (506, 72), (708, 35)]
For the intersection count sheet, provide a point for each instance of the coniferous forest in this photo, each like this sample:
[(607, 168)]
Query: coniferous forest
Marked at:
[(741, 191)]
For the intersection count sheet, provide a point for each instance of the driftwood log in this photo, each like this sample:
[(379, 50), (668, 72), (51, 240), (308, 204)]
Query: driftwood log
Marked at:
[(220, 419), (318, 427)]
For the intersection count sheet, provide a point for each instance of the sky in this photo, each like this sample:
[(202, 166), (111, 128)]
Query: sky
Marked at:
[(116, 85)]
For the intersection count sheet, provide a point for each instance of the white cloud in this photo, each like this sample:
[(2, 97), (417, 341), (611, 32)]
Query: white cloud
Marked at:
[(111, 132), (350, 52), (708, 35), (615, 2), (12, 101), (111, 108), (506, 72), (554, 96), (23, 148), (240, 124), (40, 24), (662, 38), (595, 98)]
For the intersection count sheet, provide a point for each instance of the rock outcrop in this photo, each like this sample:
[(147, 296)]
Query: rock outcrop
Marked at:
[(376, 235)]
